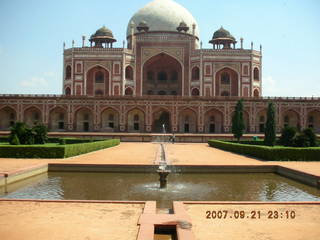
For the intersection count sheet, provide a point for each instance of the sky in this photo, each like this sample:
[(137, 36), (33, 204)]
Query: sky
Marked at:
[(32, 34)]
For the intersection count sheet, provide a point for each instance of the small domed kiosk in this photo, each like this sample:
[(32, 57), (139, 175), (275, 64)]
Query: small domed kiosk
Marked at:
[(223, 38), (103, 37)]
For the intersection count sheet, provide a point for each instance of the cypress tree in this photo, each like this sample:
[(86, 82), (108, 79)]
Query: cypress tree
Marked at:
[(270, 129), (237, 121)]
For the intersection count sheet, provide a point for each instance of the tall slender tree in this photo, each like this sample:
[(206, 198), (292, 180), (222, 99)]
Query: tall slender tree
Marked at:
[(270, 129), (237, 121)]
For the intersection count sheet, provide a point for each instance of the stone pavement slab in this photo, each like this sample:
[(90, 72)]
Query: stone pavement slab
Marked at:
[(32, 220)]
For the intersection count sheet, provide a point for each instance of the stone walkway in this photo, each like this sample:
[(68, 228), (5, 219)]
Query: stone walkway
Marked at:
[(145, 153)]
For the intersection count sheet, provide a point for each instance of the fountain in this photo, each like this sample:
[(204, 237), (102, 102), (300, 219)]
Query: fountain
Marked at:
[(162, 170)]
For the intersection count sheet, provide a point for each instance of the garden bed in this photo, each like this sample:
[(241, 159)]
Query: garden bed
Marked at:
[(277, 153), (54, 150)]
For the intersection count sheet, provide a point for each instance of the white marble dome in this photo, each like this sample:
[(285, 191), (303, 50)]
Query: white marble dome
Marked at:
[(163, 15)]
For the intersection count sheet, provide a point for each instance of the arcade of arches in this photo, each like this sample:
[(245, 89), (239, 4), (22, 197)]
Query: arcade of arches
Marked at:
[(185, 120)]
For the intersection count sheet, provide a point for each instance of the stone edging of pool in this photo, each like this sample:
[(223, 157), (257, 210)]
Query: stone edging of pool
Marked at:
[(21, 174)]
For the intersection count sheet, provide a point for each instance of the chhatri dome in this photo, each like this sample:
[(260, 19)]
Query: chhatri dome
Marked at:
[(164, 16)]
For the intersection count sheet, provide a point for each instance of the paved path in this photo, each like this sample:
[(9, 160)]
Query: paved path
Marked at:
[(145, 153)]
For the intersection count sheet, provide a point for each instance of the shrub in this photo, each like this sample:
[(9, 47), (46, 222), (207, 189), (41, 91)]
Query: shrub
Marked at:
[(270, 153), (237, 121), (15, 140), (311, 137), (270, 130), (55, 151), (288, 136), (40, 136), (62, 141)]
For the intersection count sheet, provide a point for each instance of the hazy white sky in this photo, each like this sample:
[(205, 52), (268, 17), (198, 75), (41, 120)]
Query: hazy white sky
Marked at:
[(33, 32)]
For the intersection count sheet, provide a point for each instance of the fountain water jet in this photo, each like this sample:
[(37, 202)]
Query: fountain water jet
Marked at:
[(162, 170)]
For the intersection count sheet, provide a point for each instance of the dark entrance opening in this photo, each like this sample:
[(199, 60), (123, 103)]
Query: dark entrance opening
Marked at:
[(261, 128), (136, 126), (186, 127), (86, 126), (61, 125), (212, 128), (161, 118)]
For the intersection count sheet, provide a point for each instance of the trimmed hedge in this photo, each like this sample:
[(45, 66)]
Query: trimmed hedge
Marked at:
[(250, 142), (81, 148), (55, 151), (270, 153)]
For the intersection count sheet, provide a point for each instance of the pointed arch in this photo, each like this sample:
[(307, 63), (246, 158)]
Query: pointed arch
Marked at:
[(187, 120), (110, 119), (83, 119), (135, 120), (58, 119), (32, 115), (8, 116), (213, 121), (162, 72), (97, 80), (227, 82)]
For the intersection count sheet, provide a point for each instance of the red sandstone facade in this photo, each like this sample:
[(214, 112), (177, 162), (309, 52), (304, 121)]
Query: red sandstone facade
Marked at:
[(162, 77)]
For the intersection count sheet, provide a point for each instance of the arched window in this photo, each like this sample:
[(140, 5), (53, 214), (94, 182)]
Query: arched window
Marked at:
[(150, 76), (68, 91), (246, 70), (195, 73), (256, 93), (261, 119), (162, 76), (129, 73), (99, 92), (150, 92), (111, 117), (225, 94), (78, 67), (195, 92), (212, 119), (99, 77), (86, 116), (174, 76), (174, 93), (225, 78), (68, 72), (128, 92), (162, 93), (136, 118), (256, 74)]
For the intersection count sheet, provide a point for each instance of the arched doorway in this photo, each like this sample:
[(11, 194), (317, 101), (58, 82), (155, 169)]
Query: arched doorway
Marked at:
[(32, 116), (57, 119), (164, 73), (135, 120), (313, 120), (213, 121), (261, 121), (187, 121), (97, 81), (84, 120), (7, 118), (226, 83), (291, 119), (160, 118), (110, 120)]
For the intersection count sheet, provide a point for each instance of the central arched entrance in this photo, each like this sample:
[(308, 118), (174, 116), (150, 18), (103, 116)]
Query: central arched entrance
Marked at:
[(162, 75), (160, 118)]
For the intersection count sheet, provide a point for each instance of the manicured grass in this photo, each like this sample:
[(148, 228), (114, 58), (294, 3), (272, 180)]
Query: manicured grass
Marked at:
[(277, 153), (54, 150)]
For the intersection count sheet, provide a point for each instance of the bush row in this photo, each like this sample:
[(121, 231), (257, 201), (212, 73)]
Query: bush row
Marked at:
[(250, 142), (57, 151), (270, 153)]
